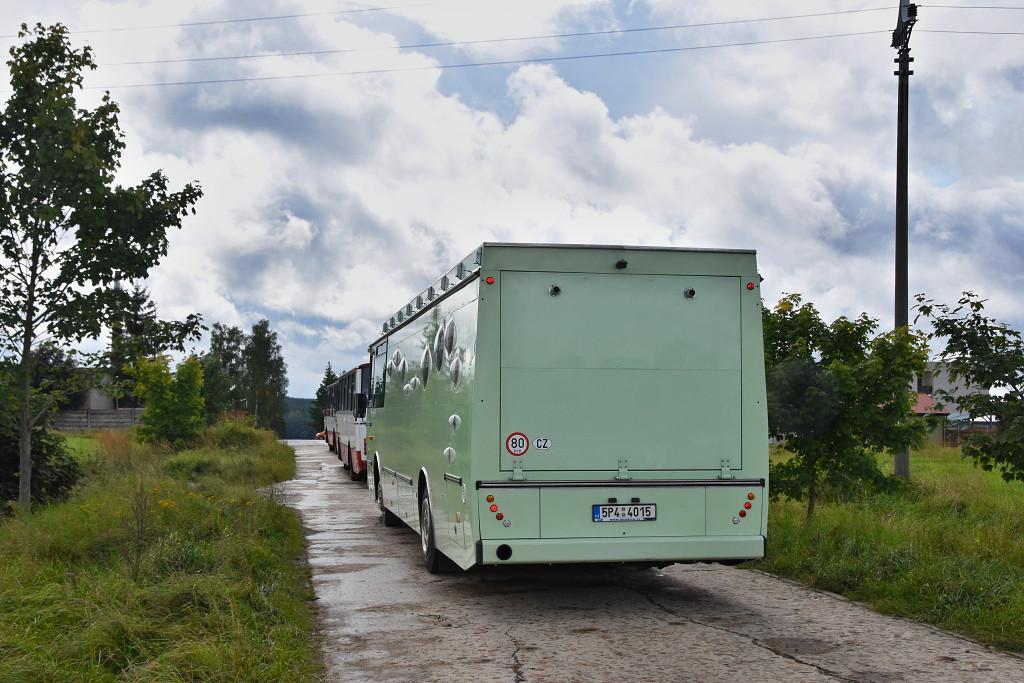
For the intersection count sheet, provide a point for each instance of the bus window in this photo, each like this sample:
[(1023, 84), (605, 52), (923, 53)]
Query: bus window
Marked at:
[(380, 360)]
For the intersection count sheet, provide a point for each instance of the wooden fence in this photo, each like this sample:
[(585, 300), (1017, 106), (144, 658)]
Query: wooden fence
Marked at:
[(84, 420)]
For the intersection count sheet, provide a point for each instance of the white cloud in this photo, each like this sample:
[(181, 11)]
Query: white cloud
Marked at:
[(329, 202)]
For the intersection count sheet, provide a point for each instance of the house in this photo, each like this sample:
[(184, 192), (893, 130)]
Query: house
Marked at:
[(935, 379), (947, 420)]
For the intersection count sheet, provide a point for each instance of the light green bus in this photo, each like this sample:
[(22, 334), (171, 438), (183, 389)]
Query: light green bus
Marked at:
[(572, 403)]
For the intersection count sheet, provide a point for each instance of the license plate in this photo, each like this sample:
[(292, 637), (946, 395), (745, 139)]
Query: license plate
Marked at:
[(637, 512)]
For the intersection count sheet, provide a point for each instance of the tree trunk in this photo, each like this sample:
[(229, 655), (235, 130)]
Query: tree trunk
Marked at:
[(25, 389), (25, 429), (812, 499)]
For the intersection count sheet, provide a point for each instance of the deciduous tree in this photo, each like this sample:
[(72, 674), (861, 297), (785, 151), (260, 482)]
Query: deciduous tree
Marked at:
[(174, 401), (982, 352), (266, 377), (837, 393), (228, 344), (67, 231)]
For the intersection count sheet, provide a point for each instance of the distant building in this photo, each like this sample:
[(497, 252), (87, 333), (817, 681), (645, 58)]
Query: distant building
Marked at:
[(948, 422), (96, 399), (936, 378)]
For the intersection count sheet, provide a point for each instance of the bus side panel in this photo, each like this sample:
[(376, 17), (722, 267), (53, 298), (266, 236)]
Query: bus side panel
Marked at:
[(412, 432)]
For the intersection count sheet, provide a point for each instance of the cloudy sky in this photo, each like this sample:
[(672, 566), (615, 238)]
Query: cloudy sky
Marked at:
[(332, 198)]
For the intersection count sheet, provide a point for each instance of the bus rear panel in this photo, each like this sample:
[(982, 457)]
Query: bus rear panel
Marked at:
[(609, 403)]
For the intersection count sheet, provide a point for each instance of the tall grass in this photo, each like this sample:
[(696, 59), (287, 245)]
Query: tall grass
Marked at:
[(946, 550), (160, 567)]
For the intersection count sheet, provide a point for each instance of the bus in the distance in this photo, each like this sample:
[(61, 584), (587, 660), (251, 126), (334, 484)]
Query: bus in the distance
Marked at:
[(543, 403), (345, 419)]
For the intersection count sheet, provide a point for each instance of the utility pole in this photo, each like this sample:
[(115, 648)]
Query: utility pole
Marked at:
[(901, 41)]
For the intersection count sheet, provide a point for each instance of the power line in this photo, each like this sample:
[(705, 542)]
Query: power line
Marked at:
[(277, 17), (974, 7), (360, 10), (503, 62), (978, 33), (577, 34)]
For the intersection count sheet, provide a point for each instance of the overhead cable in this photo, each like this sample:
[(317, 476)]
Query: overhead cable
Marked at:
[(577, 34), (978, 33), (241, 20), (502, 62)]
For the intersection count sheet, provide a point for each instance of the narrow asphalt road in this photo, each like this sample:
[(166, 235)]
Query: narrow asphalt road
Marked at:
[(384, 618)]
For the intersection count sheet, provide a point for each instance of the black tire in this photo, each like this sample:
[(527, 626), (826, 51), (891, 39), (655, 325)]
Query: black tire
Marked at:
[(390, 518), (431, 555)]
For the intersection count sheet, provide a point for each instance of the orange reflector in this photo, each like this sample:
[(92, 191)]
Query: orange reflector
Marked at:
[(490, 499), (751, 496)]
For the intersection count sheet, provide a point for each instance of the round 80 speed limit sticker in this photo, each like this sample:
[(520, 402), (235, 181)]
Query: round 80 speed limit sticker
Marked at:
[(517, 444)]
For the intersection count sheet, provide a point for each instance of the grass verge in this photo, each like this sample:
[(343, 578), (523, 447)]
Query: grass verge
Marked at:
[(946, 550), (161, 567)]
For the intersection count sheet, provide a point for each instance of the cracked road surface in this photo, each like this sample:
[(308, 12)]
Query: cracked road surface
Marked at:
[(384, 618)]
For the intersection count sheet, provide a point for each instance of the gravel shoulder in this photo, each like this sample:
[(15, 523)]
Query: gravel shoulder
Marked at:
[(384, 618)]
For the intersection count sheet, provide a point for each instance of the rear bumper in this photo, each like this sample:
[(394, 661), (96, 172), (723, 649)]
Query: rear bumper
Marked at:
[(662, 549)]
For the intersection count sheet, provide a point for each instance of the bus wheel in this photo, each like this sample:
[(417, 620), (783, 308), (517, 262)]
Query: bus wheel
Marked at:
[(431, 557), (390, 519)]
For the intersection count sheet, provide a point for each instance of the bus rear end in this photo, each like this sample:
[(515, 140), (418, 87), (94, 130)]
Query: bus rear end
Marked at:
[(632, 421)]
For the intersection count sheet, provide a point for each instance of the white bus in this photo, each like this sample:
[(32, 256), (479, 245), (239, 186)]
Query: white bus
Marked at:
[(345, 419)]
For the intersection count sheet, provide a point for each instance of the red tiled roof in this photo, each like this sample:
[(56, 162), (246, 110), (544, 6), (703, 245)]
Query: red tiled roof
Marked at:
[(925, 405)]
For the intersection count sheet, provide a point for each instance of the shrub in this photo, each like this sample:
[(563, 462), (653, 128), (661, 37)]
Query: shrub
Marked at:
[(54, 469), (235, 435)]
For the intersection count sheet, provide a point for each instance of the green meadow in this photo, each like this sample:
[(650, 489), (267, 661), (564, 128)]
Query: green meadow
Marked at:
[(947, 550), (161, 566)]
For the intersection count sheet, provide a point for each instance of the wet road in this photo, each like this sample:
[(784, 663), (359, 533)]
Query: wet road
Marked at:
[(384, 618)]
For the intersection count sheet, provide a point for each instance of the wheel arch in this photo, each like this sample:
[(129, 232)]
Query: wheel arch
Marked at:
[(376, 474), (423, 485)]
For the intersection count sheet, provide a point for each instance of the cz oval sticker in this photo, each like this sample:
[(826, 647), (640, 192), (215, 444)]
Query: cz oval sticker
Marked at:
[(517, 444)]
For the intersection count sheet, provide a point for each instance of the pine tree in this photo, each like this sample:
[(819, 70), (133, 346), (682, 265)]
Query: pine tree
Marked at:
[(321, 402)]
